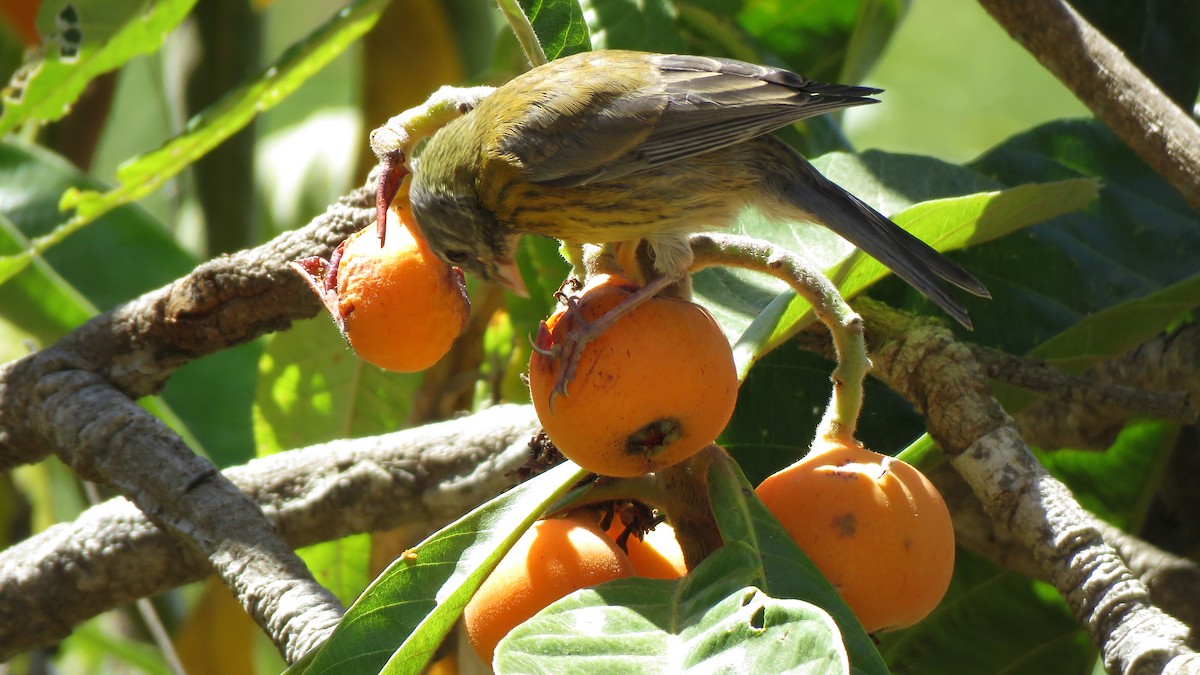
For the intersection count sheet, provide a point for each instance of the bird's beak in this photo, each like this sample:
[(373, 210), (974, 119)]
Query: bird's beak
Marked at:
[(507, 274)]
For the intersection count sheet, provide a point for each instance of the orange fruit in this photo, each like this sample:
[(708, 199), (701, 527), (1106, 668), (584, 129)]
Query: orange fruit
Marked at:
[(399, 306), (656, 555), (650, 391), (553, 559), (875, 527)]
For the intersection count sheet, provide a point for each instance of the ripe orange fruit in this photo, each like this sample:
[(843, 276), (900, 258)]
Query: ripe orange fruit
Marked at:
[(655, 556), (875, 527), (553, 559), (650, 391), (399, 306)]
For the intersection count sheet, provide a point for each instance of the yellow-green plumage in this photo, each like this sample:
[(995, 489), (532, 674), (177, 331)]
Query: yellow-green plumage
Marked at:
[(619, 146)]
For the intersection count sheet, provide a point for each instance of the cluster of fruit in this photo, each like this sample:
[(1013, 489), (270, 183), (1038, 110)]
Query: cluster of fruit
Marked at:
[(650, 391)]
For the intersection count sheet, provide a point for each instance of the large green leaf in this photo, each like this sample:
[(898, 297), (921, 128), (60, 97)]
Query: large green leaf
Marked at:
[(1160, 37), (1117, 329), (559, 25), (82, 40), (312, 388), (342, 565), (786, 571), (646, 26), (129, 253), (712, 620), (992, 621), (399, 621), (1138, 239), (762, 313), (1118, 484), (831, 41)]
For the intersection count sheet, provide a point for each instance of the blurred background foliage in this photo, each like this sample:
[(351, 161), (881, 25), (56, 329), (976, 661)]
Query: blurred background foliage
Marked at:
[(966, 111)]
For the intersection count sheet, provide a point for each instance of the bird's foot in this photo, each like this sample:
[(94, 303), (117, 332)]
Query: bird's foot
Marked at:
[(580, 332)]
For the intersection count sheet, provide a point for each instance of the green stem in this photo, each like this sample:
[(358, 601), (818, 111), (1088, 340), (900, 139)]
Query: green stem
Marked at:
[(526, 36), (923, 453), (844, 324)]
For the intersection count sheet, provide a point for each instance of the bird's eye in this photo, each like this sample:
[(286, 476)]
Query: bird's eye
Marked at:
[(456, 257)]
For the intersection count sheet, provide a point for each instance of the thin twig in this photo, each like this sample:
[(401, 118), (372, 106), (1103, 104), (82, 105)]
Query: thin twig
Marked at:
[(1037, 376), (845, 326)]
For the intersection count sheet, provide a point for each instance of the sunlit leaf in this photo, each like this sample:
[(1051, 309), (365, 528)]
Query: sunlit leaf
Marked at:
[(81, 40), (713, 620), (398, 622)]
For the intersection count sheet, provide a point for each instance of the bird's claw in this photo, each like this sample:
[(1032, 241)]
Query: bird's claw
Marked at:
[(569, 349)]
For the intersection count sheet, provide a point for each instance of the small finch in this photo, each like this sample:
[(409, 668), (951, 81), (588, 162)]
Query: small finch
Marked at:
[(612, 146)]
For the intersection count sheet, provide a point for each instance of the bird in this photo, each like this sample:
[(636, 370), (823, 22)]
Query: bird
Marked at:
[(613, 146)]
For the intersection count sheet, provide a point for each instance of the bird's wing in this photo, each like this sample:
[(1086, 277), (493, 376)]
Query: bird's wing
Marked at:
[(676, 107)]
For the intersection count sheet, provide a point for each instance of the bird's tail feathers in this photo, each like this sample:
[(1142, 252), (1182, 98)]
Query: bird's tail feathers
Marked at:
[(909, 258)]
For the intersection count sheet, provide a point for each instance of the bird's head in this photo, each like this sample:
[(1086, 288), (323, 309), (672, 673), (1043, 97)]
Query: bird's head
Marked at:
[(461, 232)]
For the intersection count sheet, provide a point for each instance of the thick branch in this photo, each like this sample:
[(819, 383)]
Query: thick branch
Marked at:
[(108, 438), (925, 364), (1173, 581), (112, 554), (75, 399), (1120, 95)]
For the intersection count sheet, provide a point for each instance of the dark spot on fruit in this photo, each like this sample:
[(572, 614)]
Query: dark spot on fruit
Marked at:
[(845, 524)]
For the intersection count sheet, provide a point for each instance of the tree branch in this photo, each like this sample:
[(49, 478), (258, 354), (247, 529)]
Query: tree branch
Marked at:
[(75, 398), (1099, 74), (925, 364), (1173, 581), (1073, 419), (113, 554)]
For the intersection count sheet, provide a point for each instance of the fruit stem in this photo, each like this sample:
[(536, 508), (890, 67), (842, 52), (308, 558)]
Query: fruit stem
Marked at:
[(678, 491), (685, 502), (845, 325)]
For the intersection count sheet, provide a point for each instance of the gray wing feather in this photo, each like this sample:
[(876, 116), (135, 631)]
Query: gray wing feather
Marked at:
[(695, 105)]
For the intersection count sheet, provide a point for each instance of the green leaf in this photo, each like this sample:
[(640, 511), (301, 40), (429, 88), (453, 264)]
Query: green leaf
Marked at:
[(399, 621), (559, 26), (944, 224), (110, 33), (341, 565), (1119, 483), (1137, 240), (312, 388), (1160, 37), (786, 571), (1114, 331), (147, 172), (37, 299), (712, 620), (646, 26), (763, 313), (129, 254), (830, 41), (992, 621)]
